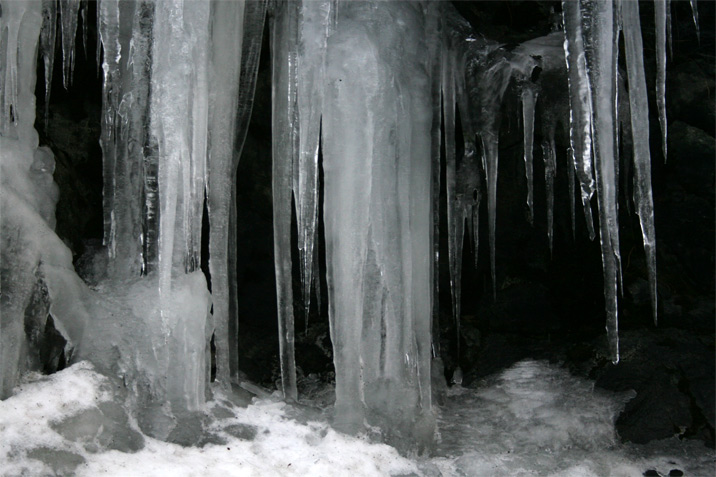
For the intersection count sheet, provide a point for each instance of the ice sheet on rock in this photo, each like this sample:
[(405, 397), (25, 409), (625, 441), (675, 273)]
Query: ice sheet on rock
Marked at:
[(31, 252), (125, 32), (640, 136), (69, 13)]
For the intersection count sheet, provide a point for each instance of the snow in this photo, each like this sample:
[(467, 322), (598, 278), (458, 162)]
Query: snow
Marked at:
[(531, 419)]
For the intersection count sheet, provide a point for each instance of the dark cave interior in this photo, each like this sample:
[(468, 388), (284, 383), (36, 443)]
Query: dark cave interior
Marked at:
[(547, 306)]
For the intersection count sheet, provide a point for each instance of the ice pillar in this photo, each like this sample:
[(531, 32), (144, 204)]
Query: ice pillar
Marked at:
[(377, 209)]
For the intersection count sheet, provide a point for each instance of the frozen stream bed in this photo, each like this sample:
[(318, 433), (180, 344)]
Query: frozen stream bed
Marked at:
[(533, 419)]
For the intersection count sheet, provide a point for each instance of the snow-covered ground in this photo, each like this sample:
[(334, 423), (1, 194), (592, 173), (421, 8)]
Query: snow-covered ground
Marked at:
[(533, 419)]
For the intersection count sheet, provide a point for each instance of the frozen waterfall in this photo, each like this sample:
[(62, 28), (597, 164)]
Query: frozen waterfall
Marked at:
[(362, 89)]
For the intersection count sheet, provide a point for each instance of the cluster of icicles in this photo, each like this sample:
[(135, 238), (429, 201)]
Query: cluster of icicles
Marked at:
[(369, 84)]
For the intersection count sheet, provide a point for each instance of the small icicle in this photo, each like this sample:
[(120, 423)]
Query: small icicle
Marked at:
[(571, 179), (69, 10), (550, 166), (640, 131), (660, 26), (490, 160), (529, 98), (48, 35), (668, 29), (695, 13), (84, 8)]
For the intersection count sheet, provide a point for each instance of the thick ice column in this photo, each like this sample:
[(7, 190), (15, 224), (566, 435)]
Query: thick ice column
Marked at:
[(236, 37), (179, 111), (639, 107), (179, 119), (284, 151), (227, 35), (378, 179)]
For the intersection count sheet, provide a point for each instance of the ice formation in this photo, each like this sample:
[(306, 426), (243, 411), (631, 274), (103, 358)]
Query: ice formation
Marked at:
[(365, 85)]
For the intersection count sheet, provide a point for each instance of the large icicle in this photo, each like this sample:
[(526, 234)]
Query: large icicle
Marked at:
[(660, 26), (226, 39), (639, 107), (284, 151), (254, 17), (601, 66), (580, 101), (179, 119), (108, 30), (315, 26)]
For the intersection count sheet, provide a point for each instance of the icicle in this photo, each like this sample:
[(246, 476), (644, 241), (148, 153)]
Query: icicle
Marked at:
[(314, 28), (695, 14), (20, 26), (572, 192), (48, 35), (108, 30), (669, 39), (227, 19), (84, 7), (179, 108), (529, 98), (600, 21), (69, 10), (284, 127), (454, 248), (490, 160), (640, 132), (660, 26), (438, 52), (550, 165), (580, 101), (254, 17)]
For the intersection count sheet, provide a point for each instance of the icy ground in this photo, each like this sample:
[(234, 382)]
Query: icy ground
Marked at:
[(533, 419)]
